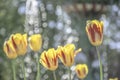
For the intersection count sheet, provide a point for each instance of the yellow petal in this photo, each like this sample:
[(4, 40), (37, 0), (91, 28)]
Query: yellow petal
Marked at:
[(17, 37), (35, 42), (23, 45), (77, 51), (25, 39)]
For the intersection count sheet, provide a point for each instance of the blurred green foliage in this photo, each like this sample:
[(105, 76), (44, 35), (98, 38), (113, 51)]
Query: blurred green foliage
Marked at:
[(10, 22)]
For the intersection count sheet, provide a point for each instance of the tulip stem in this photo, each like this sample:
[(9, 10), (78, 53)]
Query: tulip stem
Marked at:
[(23, 69), (14, 71), (38, 68), (100, 63), (54, 75), (69, 73)]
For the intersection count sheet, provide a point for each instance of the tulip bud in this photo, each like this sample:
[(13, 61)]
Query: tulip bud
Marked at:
[(9, 49), (49, 59), (35, 42), (113, 79), (94, 31), (81, 70)]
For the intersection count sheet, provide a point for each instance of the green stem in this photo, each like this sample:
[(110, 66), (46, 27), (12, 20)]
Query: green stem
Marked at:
[(38, 68), (54, 75), (100, 62), (14, 71), (23, 69), (69, 73)]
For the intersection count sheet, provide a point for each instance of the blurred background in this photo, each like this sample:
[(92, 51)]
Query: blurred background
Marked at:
[(61, 22)]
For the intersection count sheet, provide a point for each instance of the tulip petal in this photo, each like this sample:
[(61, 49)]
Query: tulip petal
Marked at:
[(49, 59), (35, 42)]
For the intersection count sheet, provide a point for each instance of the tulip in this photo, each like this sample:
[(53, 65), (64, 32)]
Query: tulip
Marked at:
[(9, 49), (113, 79), (11, 54), (49, 59), (94, 31), (81, 70), (19, 42), (35, 42), (67, 54)]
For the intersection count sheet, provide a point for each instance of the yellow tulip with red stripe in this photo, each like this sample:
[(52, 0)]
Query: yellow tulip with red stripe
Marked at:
[(49, 59), (67, 54), (9, 49), (19, 42), (81, 70), (94, 31), (35, 42)]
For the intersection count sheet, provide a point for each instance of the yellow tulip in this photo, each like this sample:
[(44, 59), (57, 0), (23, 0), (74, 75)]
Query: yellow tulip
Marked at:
[(94, 31), (49, 59), (113, 78), (20, 43), (35, 42), (81, 70), (9, 49), (67, 54)]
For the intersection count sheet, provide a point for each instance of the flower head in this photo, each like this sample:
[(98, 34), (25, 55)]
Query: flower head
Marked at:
[(113, 78), (49, 59), (9, 49), (67, 54), (94, 31), (35, 42), (81, 70), (19, 42)]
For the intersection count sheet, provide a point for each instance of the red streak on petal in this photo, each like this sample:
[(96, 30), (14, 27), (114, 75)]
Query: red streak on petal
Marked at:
[(14, 44), (91, 32), (7, 48), (55, 61), (54, 58), (43, 61), (63, 56), (84, 71), (97, 29), (47, 62), (79, 73)]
